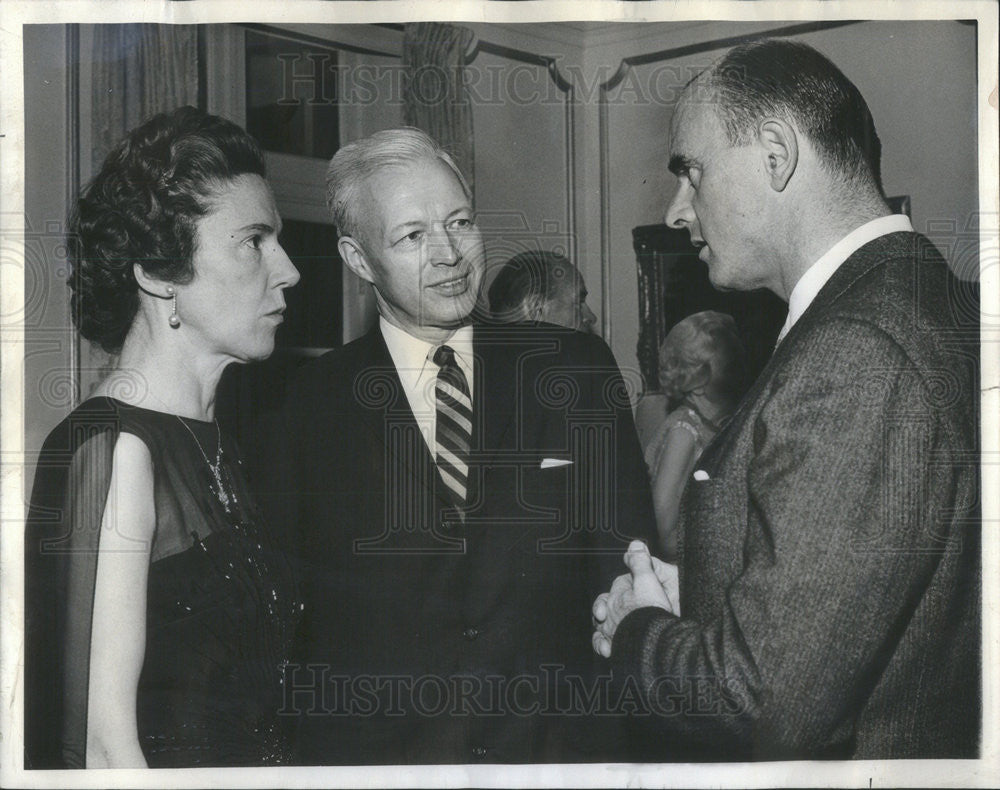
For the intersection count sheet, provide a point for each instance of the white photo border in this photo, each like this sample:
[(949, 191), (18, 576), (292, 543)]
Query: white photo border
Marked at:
[(14, 14)]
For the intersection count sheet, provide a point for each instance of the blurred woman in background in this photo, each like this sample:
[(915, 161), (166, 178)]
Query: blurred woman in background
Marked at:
[(703, 376), (159, 607)]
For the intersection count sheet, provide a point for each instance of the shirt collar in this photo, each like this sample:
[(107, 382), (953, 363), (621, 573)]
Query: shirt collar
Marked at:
[(817, 275), (413, 357)]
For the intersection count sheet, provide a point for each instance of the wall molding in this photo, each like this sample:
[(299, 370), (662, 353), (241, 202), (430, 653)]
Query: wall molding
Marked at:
[(73, 185), (318, 41), (551, 66)]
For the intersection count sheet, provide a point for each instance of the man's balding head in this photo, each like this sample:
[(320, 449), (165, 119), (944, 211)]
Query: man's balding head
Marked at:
[(789, 80)]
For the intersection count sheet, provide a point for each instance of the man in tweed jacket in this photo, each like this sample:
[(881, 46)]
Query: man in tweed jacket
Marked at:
[(830, 576)]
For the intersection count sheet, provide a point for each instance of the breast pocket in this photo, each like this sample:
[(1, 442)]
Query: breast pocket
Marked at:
[(701, 500), (708, 467)]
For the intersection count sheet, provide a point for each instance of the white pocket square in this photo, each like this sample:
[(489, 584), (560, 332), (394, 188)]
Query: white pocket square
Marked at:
[(700, 475), (549, 463)]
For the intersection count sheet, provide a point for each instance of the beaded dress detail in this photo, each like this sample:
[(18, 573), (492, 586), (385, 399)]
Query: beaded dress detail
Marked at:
[(222, 602)]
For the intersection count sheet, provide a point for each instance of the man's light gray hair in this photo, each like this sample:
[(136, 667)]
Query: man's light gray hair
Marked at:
[(356, 162)]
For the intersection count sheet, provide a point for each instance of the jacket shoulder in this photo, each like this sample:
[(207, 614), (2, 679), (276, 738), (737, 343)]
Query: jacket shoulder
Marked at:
[(545, 339), (335, 362), (902, 283)]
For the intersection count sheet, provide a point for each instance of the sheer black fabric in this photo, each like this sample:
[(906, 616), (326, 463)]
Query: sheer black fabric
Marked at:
[(221, 597)]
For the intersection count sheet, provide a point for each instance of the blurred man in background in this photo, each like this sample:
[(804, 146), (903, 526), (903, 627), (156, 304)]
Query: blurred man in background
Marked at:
[(541, 286)]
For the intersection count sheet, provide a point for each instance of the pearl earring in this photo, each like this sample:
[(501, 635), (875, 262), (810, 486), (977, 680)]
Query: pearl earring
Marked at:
[(174, 320)]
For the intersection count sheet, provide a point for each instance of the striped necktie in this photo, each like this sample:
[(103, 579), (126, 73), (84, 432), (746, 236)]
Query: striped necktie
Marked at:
[(453, 435)]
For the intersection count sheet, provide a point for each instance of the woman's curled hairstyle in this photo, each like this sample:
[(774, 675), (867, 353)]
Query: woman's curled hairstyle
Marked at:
[(703, 352), (143, 207)]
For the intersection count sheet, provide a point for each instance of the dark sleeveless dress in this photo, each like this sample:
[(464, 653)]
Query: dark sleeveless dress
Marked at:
[(222, 602)]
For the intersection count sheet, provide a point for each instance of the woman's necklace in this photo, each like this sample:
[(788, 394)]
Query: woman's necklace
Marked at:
[(225, 497)]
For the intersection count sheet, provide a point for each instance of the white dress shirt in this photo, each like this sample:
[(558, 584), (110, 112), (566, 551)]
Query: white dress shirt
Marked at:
[(817, 275), (414, 362)]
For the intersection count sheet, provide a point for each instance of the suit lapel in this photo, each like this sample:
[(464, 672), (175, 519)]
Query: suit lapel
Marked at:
[(495, 395), (381, 399), (385, 410)]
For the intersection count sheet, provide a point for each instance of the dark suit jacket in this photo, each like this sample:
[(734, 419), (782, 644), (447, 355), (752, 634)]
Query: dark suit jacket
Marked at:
[(830, 586), (429, 639)]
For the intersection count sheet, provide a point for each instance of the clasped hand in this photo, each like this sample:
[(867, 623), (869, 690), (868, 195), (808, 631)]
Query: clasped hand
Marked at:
[(649, 582)]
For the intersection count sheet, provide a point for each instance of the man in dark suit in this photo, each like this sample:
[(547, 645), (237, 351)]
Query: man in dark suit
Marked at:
[(830, 575), (462, 493)]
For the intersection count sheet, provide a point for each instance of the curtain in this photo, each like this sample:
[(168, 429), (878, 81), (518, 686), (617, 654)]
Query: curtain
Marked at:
[(434, 94), (138, 71)]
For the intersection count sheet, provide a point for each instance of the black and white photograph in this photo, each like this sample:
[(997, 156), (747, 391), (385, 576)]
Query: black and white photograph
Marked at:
[(499, 393)]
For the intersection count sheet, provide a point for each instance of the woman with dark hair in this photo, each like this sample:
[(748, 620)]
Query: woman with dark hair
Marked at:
[(159, 608), (702, 375)]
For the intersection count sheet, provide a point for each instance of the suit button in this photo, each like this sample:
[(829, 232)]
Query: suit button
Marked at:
[(450, 525), (479, 752), (470, 634)]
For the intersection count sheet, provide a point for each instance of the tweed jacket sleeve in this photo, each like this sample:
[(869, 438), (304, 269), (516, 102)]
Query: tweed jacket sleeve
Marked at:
[(836, 494)]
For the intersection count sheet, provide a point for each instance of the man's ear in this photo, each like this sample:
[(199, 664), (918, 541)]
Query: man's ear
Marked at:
[(353, 254), (781, 151)]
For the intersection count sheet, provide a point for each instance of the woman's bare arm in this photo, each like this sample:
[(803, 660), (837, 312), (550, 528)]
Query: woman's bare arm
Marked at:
[(118, 636), (674, 469)]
